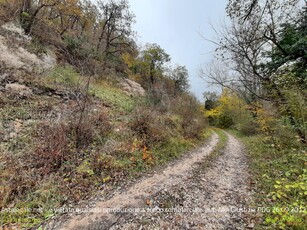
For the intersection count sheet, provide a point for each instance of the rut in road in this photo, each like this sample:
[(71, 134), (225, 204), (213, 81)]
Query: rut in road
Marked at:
[(209, 196), (136, 195)]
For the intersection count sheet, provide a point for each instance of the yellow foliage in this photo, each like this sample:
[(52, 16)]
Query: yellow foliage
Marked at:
[(263, 118), (228, 104), (147, 156), (128, 59), (231, 111), (213, 112), (70, 7)]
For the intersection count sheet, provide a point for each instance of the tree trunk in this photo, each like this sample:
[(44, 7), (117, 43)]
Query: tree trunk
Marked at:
[(26, 6)]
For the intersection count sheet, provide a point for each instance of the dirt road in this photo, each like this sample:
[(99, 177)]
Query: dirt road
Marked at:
[(185, 195)]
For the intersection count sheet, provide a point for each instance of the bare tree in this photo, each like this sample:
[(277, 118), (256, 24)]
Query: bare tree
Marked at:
[(244, 44), (116, 24), (245, 47), (30, 11)]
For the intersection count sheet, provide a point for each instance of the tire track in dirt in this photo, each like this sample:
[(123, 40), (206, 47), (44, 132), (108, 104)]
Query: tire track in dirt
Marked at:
[(214, 197), (137, 194)]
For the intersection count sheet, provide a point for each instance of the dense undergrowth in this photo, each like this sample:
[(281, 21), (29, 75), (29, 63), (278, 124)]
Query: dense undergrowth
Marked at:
[(280, 177)]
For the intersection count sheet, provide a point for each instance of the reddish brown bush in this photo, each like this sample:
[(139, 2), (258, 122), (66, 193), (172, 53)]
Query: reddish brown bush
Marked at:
[(9, 10), (192, 120), (53, 149), (90, 127), (149, 127), (62, 142)]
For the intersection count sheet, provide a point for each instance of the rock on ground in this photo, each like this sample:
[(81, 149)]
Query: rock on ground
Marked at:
[(14, 56), (132, 88), (16, 88)]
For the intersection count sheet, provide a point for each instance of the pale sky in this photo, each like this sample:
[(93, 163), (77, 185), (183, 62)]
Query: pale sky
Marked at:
[(175, 25)]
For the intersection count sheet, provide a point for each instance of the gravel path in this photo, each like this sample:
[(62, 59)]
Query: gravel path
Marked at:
[(187, 195)]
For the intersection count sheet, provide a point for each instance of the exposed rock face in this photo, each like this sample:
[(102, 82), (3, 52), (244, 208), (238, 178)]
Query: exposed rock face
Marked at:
[(132, 88), (13, 55), (11, 27), (19, 89)]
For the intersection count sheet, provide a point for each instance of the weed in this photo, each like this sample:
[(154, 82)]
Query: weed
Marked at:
[(63, 75), (112, 96), (281, 181)]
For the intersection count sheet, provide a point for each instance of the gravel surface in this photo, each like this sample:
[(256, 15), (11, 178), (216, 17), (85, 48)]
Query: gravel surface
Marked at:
[(186, 195)]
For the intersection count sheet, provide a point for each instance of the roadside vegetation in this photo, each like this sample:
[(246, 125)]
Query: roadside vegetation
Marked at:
[(62, 148), (277, 159), (263, 100), (280, 177), (106, 112)]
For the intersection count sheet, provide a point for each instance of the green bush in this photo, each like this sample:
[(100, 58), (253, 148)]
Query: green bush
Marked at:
[(297, 104), (76, 46), (224, 121), (281, 179), (64, 75)]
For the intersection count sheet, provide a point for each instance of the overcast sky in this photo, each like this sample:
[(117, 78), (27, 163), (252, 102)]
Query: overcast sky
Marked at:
[(175, 26)]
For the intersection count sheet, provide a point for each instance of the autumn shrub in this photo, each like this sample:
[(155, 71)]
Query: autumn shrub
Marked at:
[(15, 180), (54, 148), (231, 111), (61, 142), (285, 124), (100, 163), (9, 9), (91, 128), (149, 126), (192, 121)]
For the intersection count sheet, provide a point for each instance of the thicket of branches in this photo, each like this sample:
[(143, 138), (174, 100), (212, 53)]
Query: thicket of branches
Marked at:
[(96, 38), (87, 34), (264, 49)]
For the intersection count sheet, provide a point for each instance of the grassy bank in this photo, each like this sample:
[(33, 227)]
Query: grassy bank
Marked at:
[(280, 177)]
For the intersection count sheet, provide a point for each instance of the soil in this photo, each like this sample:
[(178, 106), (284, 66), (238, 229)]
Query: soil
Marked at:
[(185, 195)]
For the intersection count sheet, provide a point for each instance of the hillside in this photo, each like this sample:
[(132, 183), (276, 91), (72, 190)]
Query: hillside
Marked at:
[(66, 136), (100, 132)]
